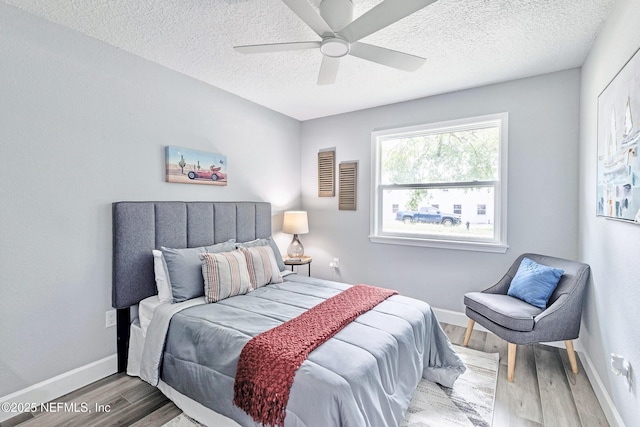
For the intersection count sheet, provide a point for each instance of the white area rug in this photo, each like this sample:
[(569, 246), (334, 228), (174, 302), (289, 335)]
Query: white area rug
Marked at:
[(469, 403)]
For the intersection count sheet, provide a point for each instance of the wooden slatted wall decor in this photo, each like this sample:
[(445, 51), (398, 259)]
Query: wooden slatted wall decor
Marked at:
[(348, 181), (326, 173)]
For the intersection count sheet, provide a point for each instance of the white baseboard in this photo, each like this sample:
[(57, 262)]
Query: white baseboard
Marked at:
[(60, 385), (609, 409), (613, 416)]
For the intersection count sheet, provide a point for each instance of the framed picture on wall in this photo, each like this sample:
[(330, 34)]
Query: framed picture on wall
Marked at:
[(188, 166), (618, 170)]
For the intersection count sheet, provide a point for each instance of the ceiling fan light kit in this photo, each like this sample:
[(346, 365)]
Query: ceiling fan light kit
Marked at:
[(335, 47), (340, 34)]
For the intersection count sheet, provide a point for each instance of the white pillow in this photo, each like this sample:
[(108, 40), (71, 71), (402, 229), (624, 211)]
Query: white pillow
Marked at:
[(163, 285)]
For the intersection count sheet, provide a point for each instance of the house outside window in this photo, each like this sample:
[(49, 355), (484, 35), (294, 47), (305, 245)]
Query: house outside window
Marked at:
[(431, 172)]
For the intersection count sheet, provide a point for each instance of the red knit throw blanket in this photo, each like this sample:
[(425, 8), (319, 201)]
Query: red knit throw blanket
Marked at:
[(269, 361)]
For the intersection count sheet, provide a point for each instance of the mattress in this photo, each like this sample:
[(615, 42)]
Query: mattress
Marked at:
[(145, 311), (136, 346)]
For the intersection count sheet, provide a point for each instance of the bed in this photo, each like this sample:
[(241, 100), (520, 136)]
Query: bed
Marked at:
[(364, 376)]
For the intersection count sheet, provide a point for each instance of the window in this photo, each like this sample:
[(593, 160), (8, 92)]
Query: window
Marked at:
[(424, 175)]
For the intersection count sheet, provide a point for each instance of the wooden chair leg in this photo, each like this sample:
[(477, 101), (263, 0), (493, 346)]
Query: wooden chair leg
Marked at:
[(467, 336), (572, 356), (511, 362)]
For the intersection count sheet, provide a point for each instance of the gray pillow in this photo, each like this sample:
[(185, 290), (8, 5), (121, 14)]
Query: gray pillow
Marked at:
[(264, 242), (185, 269)]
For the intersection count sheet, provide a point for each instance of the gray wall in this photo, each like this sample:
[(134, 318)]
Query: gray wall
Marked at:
[(611, 321), (542, 189), (83, 124)]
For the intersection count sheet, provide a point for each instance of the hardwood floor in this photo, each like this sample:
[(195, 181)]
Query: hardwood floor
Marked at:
[(544, 393)]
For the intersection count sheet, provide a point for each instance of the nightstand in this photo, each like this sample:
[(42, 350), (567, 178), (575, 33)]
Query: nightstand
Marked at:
[(305, 260)]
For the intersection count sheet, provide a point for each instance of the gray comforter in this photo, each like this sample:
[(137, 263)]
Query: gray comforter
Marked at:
[(363, 376)]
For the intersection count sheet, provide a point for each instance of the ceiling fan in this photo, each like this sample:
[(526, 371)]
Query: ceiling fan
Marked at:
[(340, 34)]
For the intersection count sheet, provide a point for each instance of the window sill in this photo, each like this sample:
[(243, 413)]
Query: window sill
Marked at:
[(442, 244)]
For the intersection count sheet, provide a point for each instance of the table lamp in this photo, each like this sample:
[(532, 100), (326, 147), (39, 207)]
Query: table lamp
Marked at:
[(295, 222)]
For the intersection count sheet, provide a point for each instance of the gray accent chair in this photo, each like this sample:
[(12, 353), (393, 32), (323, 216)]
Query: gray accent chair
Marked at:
[(518, 322)]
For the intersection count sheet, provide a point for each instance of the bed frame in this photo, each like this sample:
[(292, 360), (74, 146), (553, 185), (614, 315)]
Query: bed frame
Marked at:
[(140, 227)]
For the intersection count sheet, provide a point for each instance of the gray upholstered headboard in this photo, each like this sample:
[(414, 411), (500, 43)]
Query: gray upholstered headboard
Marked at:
[(140, 227)]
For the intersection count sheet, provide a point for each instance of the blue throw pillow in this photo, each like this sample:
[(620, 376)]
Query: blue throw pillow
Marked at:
[(185, 269), (534, 283)]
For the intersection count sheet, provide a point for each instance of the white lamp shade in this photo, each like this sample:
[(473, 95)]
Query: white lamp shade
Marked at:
[(295, 222)]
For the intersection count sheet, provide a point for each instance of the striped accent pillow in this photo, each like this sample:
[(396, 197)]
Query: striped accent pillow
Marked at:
[(262, 265), (225, 275)]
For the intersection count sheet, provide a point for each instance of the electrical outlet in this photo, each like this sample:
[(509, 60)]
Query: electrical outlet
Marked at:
[(335, 263), (621, 367), (110, 319)]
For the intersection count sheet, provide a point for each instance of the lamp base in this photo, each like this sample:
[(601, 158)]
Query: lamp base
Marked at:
[(295, 249)]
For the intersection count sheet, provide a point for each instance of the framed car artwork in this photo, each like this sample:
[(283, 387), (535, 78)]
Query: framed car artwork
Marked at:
[(188, 166)]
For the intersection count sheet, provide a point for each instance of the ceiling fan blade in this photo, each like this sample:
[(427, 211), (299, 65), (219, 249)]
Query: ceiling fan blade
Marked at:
[(309, 15), (328, 70), (388, 57), (382, 15), (276, 47)]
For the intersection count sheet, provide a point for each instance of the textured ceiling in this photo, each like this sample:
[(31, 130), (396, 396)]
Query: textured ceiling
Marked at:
[(467, 43)]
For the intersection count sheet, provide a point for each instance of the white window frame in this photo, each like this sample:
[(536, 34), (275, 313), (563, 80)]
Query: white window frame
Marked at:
[(498, 243)]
